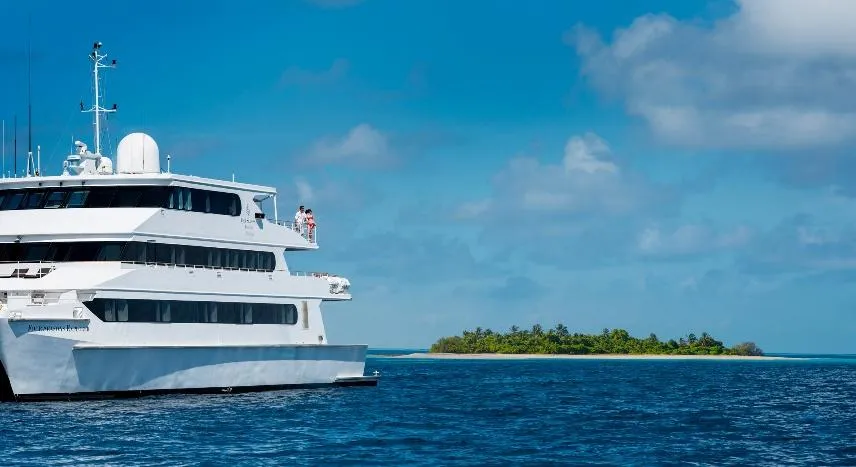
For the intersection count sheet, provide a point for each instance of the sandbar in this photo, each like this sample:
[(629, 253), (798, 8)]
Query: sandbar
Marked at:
[(496, 356)]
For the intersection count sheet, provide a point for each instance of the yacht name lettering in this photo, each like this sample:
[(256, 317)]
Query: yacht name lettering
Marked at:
[(66, 328)]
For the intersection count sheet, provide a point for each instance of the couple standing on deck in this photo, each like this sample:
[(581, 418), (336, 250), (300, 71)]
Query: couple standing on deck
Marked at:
[(304, 222)]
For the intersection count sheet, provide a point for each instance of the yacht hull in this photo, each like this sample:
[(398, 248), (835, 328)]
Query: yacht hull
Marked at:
[(47, 360)]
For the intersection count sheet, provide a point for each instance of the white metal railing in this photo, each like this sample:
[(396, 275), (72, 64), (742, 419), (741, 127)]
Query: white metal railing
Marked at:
[(302, 230), (338, 284), (23, 272)]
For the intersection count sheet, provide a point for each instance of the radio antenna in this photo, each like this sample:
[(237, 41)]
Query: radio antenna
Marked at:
[(97, 63)]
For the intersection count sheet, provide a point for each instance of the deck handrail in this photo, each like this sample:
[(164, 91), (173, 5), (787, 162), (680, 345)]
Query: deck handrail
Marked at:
[(292, 225)]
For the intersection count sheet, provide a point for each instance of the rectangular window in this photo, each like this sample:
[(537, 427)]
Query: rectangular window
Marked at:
[(164, 311), (171, 311), (36, 252), (151, 252), (213, 307), (56, 199), (83, 251), (164, 253), (247, 313), (110, 252), (180, 255), (290, 314), (121, 310), (13, 201), (77, 199), (109, 310), (152, 197), (34, 200), (101, 197), (126, 197)]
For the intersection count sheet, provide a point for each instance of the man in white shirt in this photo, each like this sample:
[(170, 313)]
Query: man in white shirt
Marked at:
[(300, 220)]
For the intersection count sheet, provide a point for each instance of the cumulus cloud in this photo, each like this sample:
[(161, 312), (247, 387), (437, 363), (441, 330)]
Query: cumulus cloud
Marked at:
[(802, 244), (582, 209), (777, 74), (362, 145), (415, 260), (689, 240), (583, 182), (305, 193)]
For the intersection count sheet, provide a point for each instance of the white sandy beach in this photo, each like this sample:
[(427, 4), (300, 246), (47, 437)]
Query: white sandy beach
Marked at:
[(451, 356)]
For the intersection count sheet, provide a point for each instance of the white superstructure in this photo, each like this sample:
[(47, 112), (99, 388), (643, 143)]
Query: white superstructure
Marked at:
[(133, 280)]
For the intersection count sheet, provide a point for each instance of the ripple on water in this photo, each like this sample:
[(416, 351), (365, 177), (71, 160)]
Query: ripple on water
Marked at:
[(471, 412)]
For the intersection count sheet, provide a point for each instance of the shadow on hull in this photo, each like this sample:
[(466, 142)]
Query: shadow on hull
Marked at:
[(6, 394), (364, 381)]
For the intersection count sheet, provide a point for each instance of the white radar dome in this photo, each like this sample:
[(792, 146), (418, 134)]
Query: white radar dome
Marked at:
[(137, 154)]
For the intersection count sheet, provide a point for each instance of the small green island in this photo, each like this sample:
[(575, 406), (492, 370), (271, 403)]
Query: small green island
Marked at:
[(559, 341)]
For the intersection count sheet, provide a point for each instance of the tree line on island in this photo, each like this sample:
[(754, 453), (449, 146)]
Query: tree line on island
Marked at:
[(560, 341)]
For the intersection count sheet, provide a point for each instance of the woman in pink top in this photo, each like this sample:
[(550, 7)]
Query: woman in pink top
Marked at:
[(310, 224)]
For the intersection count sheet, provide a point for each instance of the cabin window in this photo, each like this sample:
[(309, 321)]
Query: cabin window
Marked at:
[(153, 197), (101, 197), (77, 199), (34, 200), (56, 199), (13, 201), (109, 310), (177, 311), (164, 253), (122, 310), (139, 252), (35, 252), (126, 198), (163, 308)]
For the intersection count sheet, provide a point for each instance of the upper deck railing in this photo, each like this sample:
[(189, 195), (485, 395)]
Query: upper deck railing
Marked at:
[(311, 236)]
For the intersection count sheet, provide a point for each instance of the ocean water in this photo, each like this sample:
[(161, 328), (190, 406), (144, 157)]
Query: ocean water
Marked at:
[(454, 412)]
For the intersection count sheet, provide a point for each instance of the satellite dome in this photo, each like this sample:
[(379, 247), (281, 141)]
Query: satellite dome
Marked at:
[(137, 153)]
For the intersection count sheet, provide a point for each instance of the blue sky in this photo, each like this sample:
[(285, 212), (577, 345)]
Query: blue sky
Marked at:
[(665, 166)]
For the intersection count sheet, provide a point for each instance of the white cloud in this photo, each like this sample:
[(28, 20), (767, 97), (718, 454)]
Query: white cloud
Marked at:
[(689, 239), (363, 145), (797, 27), (305, 193), (585, 154), (776, 74), (801, 244), (582, 182)]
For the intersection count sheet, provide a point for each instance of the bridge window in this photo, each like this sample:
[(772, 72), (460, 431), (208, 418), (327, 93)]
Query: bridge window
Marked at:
[(77, 199), (179, 198), (56, 199)]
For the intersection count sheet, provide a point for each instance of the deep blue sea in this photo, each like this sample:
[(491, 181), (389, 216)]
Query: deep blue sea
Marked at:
[(454, 412)]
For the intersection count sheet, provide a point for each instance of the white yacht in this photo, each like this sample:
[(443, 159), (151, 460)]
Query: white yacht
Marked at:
[(137, 281)]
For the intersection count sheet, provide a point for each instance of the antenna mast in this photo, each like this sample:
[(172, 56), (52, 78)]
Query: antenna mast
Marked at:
[(98, 63), (15, 145), (29, 107)]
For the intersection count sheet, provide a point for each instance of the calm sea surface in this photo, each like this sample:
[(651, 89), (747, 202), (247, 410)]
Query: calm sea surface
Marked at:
[(472, 412)]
